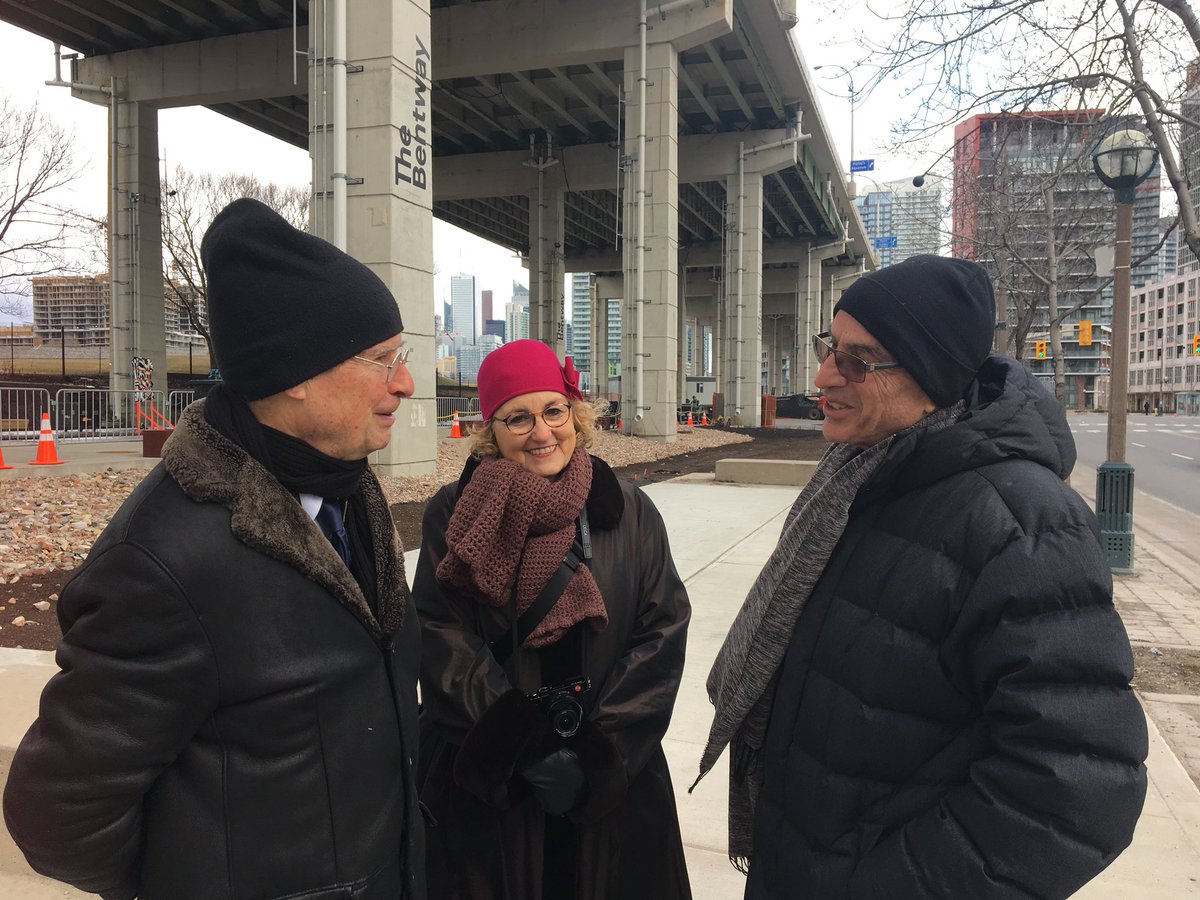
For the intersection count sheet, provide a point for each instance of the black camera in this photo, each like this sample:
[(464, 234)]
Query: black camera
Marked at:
[(561, 703)]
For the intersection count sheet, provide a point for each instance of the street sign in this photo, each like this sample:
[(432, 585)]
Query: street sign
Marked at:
[(862, 165), (885, 242)]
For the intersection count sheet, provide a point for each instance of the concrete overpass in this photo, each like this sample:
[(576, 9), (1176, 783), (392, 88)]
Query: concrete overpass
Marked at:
[(675, 149)]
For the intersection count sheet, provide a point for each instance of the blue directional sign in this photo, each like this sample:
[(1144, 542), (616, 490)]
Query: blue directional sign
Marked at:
[(862, 165), (885, 242)]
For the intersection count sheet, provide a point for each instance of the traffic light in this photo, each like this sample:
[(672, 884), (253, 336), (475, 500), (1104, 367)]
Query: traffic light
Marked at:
[(1085, 332), (1196, 345), (1039, 349)]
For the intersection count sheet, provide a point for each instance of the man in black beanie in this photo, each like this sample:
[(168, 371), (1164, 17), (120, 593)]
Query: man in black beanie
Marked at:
[(236, 712), (926, 692)]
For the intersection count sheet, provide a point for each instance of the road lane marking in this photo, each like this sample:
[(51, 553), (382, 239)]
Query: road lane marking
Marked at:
[(1136, 444), (1181, 456)]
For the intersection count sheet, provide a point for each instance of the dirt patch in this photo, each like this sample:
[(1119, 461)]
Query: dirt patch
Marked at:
[(1166, 670), (40, 630)]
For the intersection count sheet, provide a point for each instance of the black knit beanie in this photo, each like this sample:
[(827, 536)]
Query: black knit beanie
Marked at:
[(283, 305), (935, 315)]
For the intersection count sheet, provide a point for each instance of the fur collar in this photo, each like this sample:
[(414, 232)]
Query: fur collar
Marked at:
[(266, 517), (605, 502)]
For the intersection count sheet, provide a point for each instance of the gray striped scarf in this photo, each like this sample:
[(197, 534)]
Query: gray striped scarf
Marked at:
[(741, 684)]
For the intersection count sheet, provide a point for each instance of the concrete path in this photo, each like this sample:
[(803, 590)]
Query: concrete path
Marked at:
[(721, 534)]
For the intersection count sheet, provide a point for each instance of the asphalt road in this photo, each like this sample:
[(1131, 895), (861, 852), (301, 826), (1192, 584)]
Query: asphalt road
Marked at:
[(1165, 454)]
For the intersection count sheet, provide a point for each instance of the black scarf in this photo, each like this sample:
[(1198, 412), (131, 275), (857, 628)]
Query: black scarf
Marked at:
[(302, 469)]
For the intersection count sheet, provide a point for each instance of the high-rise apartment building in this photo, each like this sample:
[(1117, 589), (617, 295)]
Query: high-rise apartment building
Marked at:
[(613, 338), (581, 322), (1164, 369), (1005, 166), (902, 220), (76, 308), (462, 306), (516, 314)]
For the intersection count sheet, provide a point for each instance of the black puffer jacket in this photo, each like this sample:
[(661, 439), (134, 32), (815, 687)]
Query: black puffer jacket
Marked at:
[(953, 718), (230, 720)]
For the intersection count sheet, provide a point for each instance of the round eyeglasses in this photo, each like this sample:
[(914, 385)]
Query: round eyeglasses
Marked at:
[(523, 422), (849, 366), (401, 358)]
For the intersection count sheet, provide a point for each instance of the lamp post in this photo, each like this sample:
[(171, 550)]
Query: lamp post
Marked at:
[(1122, 160)]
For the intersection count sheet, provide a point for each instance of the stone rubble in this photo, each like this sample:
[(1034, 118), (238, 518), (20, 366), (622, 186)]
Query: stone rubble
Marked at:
[(49, 523)]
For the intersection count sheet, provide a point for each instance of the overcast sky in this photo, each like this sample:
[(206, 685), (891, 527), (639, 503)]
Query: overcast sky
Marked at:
[(200, 140)]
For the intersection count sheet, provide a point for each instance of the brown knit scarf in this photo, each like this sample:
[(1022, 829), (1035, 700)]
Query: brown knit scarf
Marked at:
[(508, 515)]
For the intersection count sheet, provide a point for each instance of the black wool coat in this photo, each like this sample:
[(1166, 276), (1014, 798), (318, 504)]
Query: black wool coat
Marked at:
[(231, 722), (478, 730), (953, 718)]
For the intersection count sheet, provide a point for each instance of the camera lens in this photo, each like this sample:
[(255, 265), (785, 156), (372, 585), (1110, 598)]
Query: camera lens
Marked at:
[(565, 718)]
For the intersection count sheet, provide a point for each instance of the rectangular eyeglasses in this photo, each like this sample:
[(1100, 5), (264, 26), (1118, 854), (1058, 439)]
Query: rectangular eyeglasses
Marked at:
[(401, 358), (849, 366)]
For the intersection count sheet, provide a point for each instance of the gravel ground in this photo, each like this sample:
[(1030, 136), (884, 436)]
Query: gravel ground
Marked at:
[(47, 524)]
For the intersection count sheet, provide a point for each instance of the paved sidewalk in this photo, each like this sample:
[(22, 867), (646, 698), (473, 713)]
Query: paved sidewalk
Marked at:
[(720, 537)]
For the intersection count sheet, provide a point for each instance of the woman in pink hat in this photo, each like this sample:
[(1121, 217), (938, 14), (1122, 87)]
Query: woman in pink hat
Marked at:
[(554, 625)]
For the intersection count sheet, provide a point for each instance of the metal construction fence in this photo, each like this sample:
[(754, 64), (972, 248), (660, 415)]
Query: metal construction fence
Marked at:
[(177, 402), (21, 411), (86, 414), (464, 406)]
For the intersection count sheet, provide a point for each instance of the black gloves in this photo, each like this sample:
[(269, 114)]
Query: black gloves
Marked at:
[(558, 782)]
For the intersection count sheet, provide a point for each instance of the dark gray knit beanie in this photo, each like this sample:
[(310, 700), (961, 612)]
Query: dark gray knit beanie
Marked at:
[(284, 305), (935, 315)]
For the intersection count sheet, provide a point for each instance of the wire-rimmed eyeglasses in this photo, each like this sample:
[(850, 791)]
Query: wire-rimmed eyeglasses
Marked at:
[(522, 422), (849, 366), (401, 358)]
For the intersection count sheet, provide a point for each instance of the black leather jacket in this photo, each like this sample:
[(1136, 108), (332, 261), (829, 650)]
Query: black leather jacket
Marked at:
[(230, 720)]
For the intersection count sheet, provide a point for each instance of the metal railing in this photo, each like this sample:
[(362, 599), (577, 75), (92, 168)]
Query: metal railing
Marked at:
[(21, 411), (177, 402), (465, 406), (99, 415)]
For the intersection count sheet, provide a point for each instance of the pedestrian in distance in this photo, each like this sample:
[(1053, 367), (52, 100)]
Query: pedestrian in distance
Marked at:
[(554, 625), (926, 693), (1146, 408), (236, 713)]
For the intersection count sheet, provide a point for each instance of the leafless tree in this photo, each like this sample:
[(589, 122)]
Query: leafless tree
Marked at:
[(1025, 186), (36, 158), (958, 57), (190, 201)]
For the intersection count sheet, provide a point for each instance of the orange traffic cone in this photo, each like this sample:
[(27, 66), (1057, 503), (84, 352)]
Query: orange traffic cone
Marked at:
[(455, 427), (3, 464), (703, 417), (689, 421), (46, 454)]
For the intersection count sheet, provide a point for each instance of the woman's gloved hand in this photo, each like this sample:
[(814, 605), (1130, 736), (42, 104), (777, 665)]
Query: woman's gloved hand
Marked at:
[(557, 781)]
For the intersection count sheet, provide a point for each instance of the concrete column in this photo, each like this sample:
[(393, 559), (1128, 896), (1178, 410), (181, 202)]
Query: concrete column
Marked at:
[(775, 344), (744, 281), (652, 353), (546, 266), (136, 266), (389, 207), (681, 365), (597, 371)]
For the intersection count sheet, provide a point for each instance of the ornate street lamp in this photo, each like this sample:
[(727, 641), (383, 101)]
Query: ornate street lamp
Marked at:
[(1122, 160)]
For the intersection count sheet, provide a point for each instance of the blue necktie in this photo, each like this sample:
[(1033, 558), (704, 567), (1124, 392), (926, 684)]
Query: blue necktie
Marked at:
[(329, 518)]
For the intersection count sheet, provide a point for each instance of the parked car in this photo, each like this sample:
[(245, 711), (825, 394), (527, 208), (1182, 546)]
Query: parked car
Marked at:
[(799, 406)]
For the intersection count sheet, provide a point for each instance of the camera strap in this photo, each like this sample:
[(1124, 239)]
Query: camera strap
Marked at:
[(579, 552)]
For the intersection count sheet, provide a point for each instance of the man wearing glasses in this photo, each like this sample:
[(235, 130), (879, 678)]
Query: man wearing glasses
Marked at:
[(236, 712), (926, 693)]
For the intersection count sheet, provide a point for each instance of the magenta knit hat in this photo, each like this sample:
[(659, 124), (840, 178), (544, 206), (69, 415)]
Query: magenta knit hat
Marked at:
[(522, 367)]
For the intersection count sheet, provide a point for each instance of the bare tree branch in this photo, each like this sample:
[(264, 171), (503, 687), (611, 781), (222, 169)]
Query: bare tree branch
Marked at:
[(190, 201), (36, 158)]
